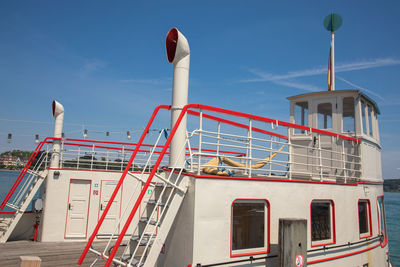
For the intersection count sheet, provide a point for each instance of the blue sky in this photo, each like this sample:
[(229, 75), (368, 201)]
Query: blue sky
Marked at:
[(105, 61)]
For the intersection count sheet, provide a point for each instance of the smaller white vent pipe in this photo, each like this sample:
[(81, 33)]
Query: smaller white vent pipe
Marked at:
[(58, 114), (178, 53)]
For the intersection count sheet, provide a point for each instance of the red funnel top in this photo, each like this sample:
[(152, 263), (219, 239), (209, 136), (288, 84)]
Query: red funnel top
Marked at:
[(170, 43)]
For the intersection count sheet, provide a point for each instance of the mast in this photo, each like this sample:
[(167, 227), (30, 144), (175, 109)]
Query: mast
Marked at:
[(332, 22)]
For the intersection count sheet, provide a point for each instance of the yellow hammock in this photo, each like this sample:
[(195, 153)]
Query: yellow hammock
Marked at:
[(224, 172)]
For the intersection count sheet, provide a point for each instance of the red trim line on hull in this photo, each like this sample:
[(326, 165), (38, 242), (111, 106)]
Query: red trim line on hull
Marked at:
[(344, 255)]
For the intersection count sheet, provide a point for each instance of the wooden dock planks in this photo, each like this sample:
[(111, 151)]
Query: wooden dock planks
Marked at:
[(51, 253)]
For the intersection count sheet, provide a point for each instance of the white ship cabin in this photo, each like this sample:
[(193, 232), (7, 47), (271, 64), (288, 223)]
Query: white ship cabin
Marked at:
[(211, 191), (346, 112)]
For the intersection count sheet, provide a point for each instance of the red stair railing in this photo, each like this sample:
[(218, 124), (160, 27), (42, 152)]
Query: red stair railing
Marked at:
[(121, 180), (25, 170)]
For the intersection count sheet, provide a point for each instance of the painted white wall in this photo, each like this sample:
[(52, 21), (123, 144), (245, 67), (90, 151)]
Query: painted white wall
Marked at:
[(55, 201)]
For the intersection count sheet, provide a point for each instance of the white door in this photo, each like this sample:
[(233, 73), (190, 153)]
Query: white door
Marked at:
[(78, 208), (111, 220)]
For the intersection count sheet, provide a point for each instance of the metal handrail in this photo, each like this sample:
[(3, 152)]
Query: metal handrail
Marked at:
[(131, 197)]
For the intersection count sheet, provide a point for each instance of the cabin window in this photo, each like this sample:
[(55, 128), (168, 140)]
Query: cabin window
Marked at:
[(370, 116), (382, 217), (364, 117), (301, 115), (364, 218), (249, 224), (325, 116), (376, 126), (348, 114), (322, 222)]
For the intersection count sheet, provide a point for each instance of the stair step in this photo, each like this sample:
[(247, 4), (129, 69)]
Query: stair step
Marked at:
[(144, 242), (135, 262), (162, 185), (153, 202), (137, 237), (146, 220)]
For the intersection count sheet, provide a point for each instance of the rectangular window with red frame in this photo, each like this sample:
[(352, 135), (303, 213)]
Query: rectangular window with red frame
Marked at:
[(322, 223), (249, 227), (364, 218)]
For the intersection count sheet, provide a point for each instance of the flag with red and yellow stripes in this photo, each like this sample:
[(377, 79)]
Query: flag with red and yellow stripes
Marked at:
[(330, 71)]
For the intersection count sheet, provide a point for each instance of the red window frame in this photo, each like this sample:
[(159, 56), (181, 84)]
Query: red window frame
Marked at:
[(379, 214), (253, 251), (332, 240), (369, 233)]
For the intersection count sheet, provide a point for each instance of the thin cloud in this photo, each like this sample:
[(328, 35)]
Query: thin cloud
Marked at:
[(266, 76), (344, 67), (368, 64), (91, 66), (359, 87), (305, 87)]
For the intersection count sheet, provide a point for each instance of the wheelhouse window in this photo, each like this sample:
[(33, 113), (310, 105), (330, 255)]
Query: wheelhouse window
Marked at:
[(249, 225), (322, 222), (364, 218), (370, 116), (301, 115), (364, 117), (324, 116), (348, 114)]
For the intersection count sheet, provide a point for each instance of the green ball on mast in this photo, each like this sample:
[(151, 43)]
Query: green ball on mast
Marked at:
[(333, 22)]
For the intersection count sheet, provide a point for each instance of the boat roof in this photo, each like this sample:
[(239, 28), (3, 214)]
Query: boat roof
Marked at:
[(336, 92)]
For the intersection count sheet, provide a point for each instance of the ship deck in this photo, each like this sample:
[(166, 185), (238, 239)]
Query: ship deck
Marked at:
[(51, 253)]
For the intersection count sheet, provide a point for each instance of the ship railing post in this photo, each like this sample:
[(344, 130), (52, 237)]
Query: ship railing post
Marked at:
[(218, 136), (62, 153), (320, 157), (190, 151), (249, 149), (270, 154), (47, 155), (122, 158), (92, 158), (106, 159), (200, 140), (290, 154), (344, 161), (79, 155)]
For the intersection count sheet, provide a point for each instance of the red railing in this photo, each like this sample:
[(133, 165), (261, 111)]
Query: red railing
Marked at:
[(50, 140), (164, 150), (118, 186), (25, 170)]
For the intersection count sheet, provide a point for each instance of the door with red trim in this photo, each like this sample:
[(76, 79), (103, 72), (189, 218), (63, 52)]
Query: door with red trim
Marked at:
[(78, 208), (111, 220)]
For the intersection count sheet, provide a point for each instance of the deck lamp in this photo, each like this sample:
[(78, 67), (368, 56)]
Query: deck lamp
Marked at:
[(84, 134), (36, 139), (128, 135)]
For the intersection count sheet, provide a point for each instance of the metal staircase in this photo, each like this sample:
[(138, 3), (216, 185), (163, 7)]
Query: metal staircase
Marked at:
[(32, 181), (155, 221), (157, 215)]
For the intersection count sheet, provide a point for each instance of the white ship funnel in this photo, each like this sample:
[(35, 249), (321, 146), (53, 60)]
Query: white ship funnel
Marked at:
[(178, 53), (58, 114)]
